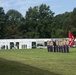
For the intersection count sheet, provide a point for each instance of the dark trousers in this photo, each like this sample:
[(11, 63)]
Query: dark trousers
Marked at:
[(51, 49), (64, 48), (54, 49), (48, 48), (57, 49), (67, 48), (60, 49)]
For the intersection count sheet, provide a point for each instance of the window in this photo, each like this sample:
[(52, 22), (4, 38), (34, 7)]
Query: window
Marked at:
[(33, 44), (11, 45), (17, 44), (24, 46)]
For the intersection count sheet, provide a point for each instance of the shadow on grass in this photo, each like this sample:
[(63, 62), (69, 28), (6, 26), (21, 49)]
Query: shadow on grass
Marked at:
[(8, 67)]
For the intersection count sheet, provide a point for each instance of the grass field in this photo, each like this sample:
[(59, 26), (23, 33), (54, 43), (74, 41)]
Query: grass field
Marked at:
[(37, 62)]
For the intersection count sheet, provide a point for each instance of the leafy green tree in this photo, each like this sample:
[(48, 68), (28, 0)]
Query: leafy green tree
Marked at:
[(39, 20), (13, 24), (32, 22), (45, 21), (2, 22), (73, 22), (62, 24)]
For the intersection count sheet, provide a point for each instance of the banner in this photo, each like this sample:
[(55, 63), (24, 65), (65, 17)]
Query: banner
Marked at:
[(71, 39)]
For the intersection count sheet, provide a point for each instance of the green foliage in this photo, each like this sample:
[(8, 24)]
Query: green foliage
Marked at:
[(2, 21), (13, 22), (39, 22)]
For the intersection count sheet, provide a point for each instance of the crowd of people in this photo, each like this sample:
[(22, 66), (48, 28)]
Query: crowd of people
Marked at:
[(61, 45)]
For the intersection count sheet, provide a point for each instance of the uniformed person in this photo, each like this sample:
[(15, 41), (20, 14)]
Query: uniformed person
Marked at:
[(48, 47), (64, 45), (61, 46), (51, 46), (54, 44), (67, 46), (57, 46)]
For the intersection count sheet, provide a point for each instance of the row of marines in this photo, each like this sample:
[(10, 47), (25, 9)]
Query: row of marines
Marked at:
[(61, 45)]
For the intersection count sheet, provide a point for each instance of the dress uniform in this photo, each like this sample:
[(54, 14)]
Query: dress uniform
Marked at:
[(51, 46), (67, 46), (57, 46), (48, 47), (64, 46), (54, 44), (60, 46)]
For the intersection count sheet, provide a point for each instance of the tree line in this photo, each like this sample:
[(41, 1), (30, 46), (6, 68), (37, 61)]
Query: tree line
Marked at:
[(38, 22)]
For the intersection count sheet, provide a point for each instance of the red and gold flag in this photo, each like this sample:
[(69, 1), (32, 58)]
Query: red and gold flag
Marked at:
[(71, 39)]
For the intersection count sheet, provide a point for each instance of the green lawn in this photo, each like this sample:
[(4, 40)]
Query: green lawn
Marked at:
[(37, 62)]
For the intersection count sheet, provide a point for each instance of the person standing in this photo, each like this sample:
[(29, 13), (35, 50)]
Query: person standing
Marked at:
[(61, 45), (64, 45), (54, 44), (48, 47), (51, 46), (57, 46), (67, 46)]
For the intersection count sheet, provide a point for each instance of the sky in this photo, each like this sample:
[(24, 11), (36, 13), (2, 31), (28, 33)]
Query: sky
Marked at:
[(57, 6)]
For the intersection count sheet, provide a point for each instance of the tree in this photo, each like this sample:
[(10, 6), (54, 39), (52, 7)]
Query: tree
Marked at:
[(2, 22), (39, 20), (62, 24), (13, 24)]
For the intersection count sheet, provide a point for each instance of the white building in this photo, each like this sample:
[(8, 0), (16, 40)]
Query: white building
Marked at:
[(24, 43)]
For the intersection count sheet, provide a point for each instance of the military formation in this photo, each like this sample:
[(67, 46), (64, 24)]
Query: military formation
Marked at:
[(61, 45)]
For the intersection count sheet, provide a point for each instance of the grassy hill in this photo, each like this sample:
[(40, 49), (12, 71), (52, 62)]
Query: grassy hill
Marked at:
[(37, 62)]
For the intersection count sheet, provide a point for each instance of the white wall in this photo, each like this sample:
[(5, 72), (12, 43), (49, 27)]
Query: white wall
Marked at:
[(27, 42)]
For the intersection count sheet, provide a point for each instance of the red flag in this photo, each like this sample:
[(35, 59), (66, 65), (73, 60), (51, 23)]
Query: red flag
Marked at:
[(71, 39)]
